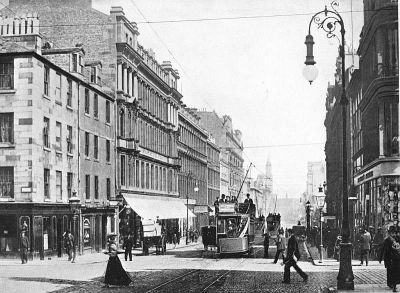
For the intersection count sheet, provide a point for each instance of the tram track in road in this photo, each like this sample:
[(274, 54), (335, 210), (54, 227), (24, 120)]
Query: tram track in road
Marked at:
[(206, 279)]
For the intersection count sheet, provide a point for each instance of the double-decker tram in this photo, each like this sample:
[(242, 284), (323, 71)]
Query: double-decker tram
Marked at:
[(235, 228)]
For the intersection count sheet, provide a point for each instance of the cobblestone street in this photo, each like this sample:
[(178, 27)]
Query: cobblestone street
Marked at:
[(180, 270)]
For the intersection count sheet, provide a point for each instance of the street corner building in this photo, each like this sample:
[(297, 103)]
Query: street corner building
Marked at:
[(373, 146), (56, 142), (89, 129)]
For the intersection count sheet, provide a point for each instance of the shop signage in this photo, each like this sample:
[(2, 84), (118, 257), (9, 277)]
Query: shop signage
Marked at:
[(200, 209), (369, 174)]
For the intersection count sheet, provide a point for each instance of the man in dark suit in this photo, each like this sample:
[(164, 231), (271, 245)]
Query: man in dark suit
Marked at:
[(128, 244), (23, 247), (292, 255), (248, 199), (386, 256)]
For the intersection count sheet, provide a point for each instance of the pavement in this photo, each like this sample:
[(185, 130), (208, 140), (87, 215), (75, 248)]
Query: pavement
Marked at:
[(371, 278), (93, 258)]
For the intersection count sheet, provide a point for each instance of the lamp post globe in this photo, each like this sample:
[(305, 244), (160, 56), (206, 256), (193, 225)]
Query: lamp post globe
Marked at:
[(310, 73)]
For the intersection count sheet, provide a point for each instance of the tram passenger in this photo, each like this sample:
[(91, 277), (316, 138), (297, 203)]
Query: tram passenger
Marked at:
[(222, 199), (231, 232), (216, 205), (248, 199)]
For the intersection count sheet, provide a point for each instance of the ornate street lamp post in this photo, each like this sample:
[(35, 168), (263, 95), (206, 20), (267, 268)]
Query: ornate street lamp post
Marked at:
[(308, 208), (329, 20), (320, 199)]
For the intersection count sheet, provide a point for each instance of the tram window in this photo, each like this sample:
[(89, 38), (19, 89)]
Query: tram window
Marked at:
[(231, 225), (221, 226)]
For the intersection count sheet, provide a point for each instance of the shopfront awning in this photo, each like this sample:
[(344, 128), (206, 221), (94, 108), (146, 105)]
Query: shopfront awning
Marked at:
[(151, 207)]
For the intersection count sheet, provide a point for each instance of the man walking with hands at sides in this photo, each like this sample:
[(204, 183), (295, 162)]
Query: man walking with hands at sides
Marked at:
[(365, 243), (292, 255), (128, 244), (23, 247)]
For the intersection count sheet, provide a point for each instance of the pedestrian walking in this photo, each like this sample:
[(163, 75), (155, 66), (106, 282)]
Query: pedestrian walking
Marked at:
[(365, 245), (115, 273), (266, 243), (128, 245), (391, 258), (71, 247), (292, 255), (23, 247), (66, 244), (280, 242)]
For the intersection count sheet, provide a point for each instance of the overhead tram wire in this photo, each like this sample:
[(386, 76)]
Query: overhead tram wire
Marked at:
[(204, 19)]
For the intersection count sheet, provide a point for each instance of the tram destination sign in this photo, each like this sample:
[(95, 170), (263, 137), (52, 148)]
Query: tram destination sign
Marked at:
[(226, 207)]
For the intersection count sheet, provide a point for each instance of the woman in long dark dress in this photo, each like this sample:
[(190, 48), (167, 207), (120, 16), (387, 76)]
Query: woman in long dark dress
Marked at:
[(115, 273)]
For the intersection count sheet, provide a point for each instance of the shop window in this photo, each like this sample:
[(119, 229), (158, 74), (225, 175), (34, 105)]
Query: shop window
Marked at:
[(7, 127), (46, 233), (7, 182), (86, 232), (8, 233), (54, 232), (65, 224), (25, 225), (6, 73)]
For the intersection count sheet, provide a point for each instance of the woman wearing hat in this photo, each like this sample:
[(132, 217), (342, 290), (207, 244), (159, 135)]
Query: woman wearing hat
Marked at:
[(115, 273)]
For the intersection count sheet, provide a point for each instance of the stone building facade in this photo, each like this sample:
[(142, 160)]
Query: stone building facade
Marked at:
[(44, 122), (192, 151), (147, 101), (374, 112), (213, 172), (373, 124), (231, 145)]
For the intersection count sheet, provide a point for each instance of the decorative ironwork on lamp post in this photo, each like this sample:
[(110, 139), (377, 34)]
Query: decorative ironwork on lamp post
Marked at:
[(330, 20)]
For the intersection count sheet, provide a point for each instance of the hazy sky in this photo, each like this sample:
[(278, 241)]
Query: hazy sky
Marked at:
[(251, 69)]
